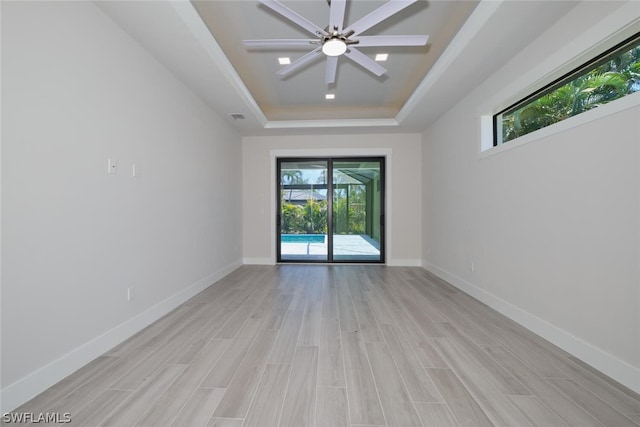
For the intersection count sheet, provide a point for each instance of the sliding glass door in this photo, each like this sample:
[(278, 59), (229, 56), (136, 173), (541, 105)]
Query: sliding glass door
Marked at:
[(330, 210), (357, 210), (303, 214)]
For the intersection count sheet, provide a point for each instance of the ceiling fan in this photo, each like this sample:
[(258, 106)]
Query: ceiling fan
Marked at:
[(336, 40)]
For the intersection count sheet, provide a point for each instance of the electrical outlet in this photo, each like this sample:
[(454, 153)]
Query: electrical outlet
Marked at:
[(112, 166)]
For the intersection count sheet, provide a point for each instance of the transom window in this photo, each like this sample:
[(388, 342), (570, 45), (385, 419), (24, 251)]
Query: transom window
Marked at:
[(607, 77)]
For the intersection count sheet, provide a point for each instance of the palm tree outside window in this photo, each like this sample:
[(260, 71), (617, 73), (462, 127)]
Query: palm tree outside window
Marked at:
[(610, 76)]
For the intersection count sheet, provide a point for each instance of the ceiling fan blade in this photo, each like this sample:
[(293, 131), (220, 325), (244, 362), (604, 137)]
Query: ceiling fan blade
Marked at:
[(332, 67), (303, 60), (380, 14), (336, 14), (280, 42), (364, 61), (366, 41), (300, 20)]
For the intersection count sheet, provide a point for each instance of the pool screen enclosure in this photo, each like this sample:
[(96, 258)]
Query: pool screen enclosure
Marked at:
[(330, 209)]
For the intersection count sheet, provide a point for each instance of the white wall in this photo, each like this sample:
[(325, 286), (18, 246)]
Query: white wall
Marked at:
[(552, 226), (403, 188), (76, 90)]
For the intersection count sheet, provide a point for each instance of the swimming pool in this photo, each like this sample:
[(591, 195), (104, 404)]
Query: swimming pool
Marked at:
[(302, 238)]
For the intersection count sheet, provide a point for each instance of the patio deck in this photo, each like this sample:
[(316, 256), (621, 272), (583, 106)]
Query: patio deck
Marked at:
[(357, 247)]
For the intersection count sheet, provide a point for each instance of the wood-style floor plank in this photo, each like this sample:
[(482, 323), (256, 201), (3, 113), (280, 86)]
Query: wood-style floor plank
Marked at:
[(464, 407), (364, 404), (426, 352), (332, 408), (225, 422), (346, 312), (131, 408), (479, 383), (199, 408), (419, 384), (222, 373), (276, 317), (285, 345), (238, 318), (178, 393), (299, 300), (536, 412), (99, 408), (93, 387), (396, 402), (155, 333), (267, 405), (266, 305), (591, 404), (368, 325), (50, 399), (463, 321), (545, 362), (429, 328), (166, 354), (330, 361), (300, 402), (480, 361), (330, 302), (236, 400), (309, 334), (435, 415), (380, 312), (337, 346), (617, 396), (564, 407)]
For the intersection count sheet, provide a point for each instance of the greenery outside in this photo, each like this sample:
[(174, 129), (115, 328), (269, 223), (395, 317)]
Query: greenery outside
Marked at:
[(304, 219), (618, 77), (349, 207)]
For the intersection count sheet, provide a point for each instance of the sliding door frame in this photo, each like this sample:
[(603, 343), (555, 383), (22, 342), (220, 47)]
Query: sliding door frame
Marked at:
[(330, 223)]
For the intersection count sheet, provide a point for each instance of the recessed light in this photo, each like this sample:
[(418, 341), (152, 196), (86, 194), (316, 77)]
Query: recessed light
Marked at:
[(284, 61), (380, 57), (330, 96)]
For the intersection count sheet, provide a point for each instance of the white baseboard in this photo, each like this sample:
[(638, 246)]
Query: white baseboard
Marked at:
[(404, 262), (617, 369), (38, 381), (391, 262), (257, 261)]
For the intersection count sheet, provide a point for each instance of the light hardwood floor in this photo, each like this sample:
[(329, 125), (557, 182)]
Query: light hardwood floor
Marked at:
[(302, 345)]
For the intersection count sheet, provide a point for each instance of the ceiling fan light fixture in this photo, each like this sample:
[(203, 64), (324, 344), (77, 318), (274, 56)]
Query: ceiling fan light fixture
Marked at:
[(334, 47)]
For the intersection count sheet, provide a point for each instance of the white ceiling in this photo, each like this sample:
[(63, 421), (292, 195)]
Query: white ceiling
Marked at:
[(201, 43), (359, 93)]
